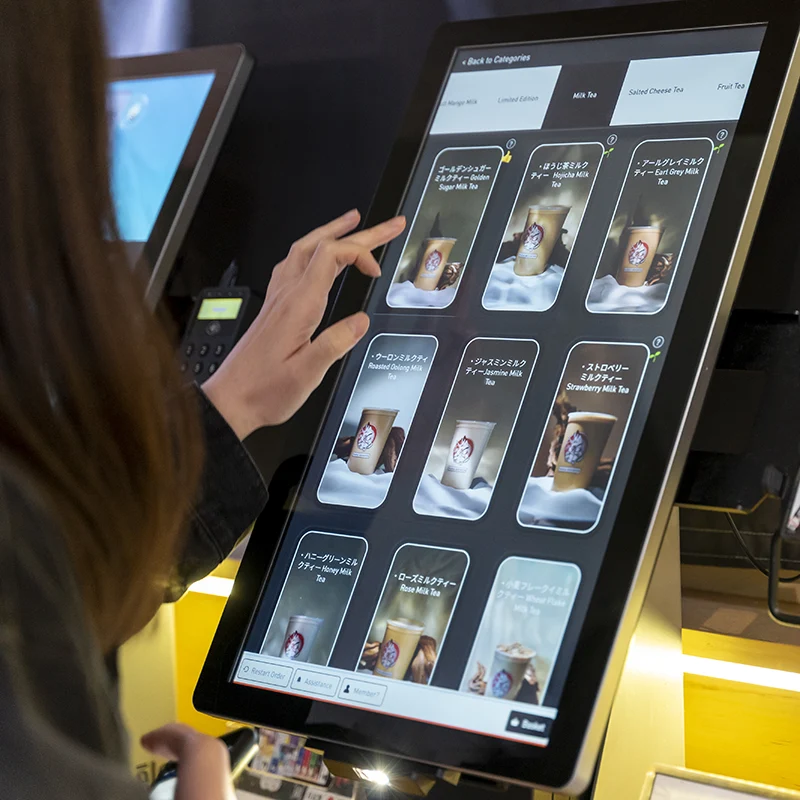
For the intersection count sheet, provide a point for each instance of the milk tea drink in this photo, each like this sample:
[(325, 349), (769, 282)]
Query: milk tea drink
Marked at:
[(301, 633), (584, 441), (466, 450), (509, 665), (370, 439), (640, 247), (434, 258), (542, 232), (398, 647)]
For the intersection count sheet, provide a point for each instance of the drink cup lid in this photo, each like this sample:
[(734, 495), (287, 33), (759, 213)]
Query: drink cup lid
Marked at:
[(584, 416), (409, 624), (476, 423), (380, 411), (516, 656)]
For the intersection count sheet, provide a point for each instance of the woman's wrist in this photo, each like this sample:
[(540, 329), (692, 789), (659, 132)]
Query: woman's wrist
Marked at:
[(230, 406)]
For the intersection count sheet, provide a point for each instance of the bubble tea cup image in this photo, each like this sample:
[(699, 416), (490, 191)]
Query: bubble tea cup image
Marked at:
[(370, 439), (434, 258), (542, 233), (509, 665), (640, 247), (466, 451), (398, 647), (585, 439), (301, 633)]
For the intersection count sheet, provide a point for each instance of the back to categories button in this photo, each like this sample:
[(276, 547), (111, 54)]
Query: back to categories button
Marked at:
[(529, 725)]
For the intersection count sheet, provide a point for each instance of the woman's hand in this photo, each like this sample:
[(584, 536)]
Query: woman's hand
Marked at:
[(275, 366), (204, 766)]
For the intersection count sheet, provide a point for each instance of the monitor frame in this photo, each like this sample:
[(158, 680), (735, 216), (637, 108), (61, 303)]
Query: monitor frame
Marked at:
[(567, 763), (232, 66)]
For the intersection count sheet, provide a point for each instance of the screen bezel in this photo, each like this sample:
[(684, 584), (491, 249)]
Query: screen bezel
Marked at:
[(231, 66), (642, 512)]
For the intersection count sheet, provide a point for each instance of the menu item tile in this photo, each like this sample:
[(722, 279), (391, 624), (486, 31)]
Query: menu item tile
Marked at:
[(521, 630), (475, 430), (543, 227), (377, 420), (584, 435), (315, 597), (413, 614), (437, 251), (651, 223)]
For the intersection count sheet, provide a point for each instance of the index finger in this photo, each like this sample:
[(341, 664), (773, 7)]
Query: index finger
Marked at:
[(331, 230), (379, 234)]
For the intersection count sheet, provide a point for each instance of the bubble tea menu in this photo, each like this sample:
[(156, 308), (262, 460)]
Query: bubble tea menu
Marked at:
[(454, 518)]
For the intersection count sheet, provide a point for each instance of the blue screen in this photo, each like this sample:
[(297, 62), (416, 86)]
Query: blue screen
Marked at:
[(152, 122)]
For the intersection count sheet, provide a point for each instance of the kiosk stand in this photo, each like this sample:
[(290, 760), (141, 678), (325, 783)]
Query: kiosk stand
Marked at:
[(647, 726)]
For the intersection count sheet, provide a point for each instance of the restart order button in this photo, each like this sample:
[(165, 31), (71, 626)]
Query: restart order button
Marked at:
[(372, 694), (315, 683), (267, 674)]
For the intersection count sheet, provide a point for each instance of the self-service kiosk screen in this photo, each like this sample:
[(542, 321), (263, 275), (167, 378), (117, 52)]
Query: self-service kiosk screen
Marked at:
[(152, 120), (447, 540)]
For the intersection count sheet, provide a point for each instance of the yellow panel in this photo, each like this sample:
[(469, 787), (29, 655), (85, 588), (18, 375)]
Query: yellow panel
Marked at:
[(740, 730), (196, 619), (147, 686), (746, 732)]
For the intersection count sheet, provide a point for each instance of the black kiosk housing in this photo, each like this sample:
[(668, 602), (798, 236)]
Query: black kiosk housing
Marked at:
[(584, 567)]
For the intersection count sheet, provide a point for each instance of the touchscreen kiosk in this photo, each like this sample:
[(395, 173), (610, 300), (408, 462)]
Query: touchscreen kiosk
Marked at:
[(459, 575), (169, 115)]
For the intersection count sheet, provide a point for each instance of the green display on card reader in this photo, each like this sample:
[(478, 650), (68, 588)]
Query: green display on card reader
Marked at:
[(220, 308)]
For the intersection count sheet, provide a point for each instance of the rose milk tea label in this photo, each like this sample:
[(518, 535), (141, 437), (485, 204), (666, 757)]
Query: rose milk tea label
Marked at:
[(411, 620)]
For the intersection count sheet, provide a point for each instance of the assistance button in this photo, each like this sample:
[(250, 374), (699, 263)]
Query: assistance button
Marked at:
[(372, 694), (529, 724), (268, 674), (315, 683)]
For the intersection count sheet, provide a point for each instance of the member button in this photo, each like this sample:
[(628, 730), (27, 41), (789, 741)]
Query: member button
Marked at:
[(529, 724), (363, 692)]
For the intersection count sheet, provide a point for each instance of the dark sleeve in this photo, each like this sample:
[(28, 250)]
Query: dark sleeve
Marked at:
[(232, 495), (60, 731)]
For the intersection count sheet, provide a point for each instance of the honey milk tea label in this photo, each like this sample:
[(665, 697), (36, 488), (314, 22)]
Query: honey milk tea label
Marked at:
[(315, 597)]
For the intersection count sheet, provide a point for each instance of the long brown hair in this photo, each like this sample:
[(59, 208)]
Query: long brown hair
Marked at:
[(91, 407)]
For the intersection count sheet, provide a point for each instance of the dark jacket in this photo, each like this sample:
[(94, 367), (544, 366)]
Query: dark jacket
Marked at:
[(61, 735)]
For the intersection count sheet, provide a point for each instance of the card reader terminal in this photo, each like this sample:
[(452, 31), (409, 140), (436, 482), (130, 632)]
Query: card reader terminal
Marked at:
[(219, 317)]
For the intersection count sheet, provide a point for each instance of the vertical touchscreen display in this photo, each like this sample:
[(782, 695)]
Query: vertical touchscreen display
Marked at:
[(448, 536)]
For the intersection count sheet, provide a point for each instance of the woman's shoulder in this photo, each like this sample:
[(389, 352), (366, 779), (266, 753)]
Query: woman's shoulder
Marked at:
[(56, 700)]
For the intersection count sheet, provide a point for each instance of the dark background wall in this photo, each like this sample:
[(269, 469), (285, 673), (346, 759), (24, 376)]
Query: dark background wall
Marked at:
[(310, 140)]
